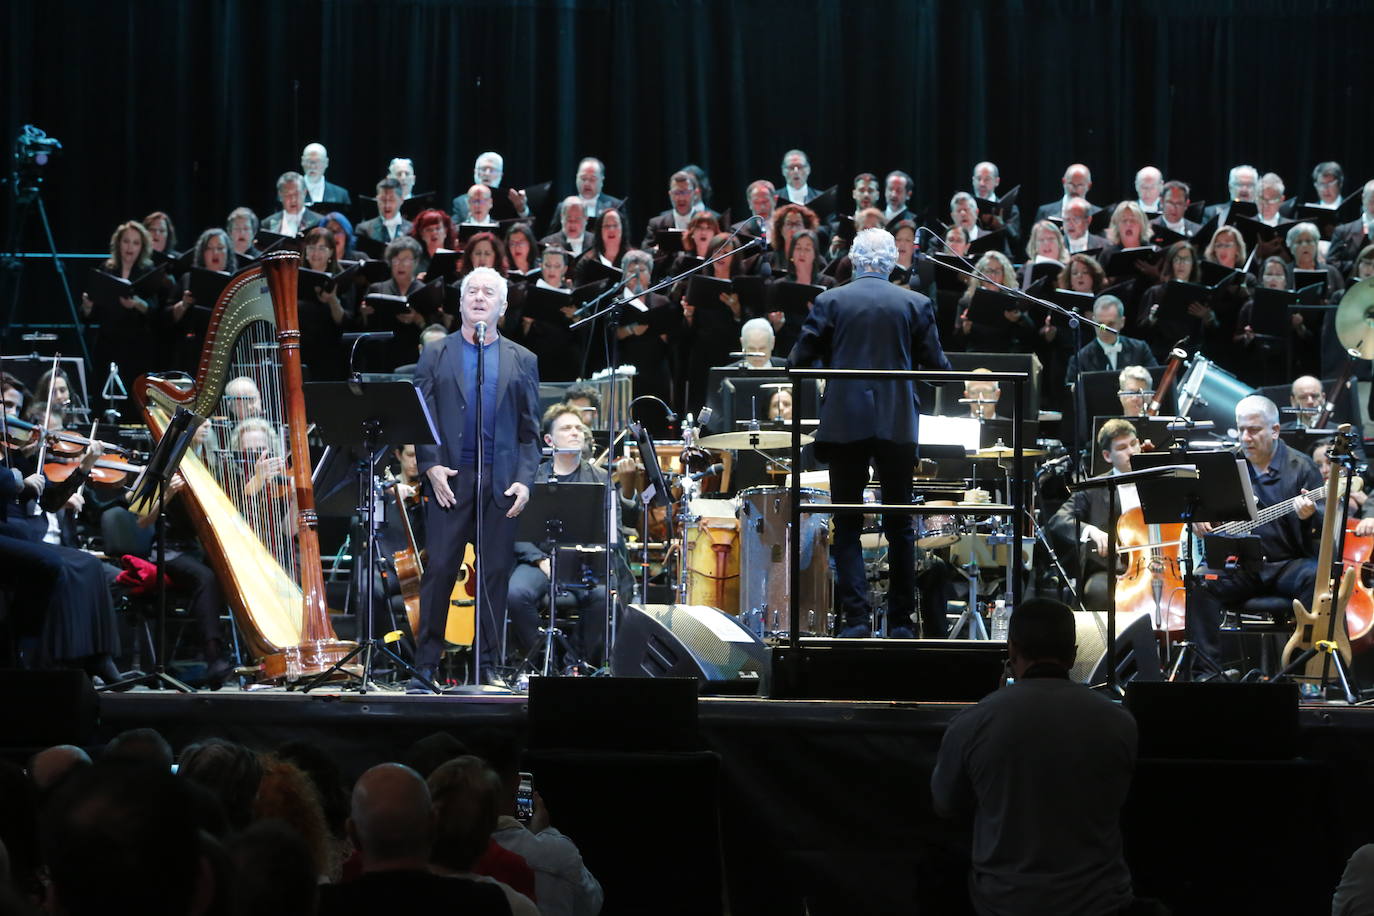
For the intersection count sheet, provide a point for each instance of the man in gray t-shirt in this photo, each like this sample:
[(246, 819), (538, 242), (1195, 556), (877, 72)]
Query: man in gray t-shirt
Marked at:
[(1043, 766)]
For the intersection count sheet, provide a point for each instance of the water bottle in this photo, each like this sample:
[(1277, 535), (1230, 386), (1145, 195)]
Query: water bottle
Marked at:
[(1001, 620)]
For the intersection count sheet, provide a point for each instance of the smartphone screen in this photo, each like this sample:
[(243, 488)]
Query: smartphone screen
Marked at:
[(524, 799)]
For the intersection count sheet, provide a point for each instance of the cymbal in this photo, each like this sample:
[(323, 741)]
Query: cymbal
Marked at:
[(1005, 451), (1355, 318), (763, 439)]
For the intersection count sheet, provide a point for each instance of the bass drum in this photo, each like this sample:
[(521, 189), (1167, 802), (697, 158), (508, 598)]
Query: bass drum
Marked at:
[(765, 519), (1209, 392)]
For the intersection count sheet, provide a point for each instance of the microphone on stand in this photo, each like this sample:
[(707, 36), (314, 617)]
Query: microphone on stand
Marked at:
[(480, 333), (712, 471)]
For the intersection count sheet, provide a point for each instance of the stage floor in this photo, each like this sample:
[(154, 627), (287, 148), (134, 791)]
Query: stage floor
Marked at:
[(824, 806)]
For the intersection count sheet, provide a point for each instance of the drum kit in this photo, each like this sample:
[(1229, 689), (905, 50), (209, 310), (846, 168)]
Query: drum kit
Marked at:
[(733, 552)]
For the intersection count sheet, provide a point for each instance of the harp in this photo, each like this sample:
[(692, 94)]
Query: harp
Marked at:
[(248, 475)]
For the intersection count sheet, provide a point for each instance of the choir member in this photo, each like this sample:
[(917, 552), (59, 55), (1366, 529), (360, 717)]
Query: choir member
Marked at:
[(314, 163), (293, 218)]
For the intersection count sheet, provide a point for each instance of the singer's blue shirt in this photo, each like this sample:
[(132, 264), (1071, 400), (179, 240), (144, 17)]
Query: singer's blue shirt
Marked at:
[(490, 372)]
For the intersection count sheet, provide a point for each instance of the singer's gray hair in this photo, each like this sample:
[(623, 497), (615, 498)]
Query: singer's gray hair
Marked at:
[(874, 251), (484, 273)]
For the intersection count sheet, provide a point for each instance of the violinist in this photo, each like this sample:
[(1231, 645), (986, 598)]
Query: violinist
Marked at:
[(1083, 520), (13, 393), (1131, 379), (565, 433), (61, 595)]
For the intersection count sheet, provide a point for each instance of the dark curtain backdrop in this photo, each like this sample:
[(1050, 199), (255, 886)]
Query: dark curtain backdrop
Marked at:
[(196, 107)]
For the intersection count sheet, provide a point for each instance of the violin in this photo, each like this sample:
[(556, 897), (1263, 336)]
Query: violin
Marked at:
[(60, 441), (106, 472)]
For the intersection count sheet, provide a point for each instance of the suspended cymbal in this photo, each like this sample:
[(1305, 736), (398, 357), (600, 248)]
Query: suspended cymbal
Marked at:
[(763, 439), (1006, 451), (1355, 318)]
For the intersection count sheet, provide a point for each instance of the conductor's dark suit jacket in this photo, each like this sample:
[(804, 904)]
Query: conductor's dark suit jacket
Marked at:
[(869, 323), (439, 377)]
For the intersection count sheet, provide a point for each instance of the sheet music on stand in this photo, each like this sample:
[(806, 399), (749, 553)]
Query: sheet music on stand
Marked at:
[(960, 431)]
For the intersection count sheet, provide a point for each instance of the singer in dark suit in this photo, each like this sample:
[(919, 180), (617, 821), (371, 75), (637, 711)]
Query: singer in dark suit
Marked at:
[(870, 323), (1110, 349), (447, 379)]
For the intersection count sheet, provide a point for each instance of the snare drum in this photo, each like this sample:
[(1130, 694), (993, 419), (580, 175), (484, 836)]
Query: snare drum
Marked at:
[(766, 519), (933, 531), (711, 554)]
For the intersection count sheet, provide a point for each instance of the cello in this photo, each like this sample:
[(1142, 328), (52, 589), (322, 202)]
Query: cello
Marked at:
[(1359, 610), (1153, 580)]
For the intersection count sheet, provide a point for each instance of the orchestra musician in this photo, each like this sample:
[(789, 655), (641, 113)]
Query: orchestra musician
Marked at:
[(1288, 544), (1135, 378), (565, 433), (1082, 521), (1307, 399), (870, 323), (982, 396), (509, 438)]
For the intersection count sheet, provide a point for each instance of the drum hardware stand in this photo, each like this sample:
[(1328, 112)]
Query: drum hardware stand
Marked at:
[(1039, 534)]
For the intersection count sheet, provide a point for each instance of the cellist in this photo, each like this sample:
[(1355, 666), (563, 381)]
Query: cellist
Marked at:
[(1083, 519)]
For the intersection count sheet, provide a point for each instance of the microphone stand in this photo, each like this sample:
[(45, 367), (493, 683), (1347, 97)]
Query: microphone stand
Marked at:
[(479, 603)]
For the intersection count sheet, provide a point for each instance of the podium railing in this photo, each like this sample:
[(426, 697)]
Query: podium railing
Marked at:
[(1017, 380)]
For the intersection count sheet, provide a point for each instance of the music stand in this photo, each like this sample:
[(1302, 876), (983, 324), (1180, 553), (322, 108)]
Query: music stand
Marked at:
[(1220, 492), (561, 515), (363, 415), (151, 489)]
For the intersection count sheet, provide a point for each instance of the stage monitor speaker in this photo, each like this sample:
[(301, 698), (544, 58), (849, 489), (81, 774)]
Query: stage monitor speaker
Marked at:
[(619, 714), (688, 640), (47, 708), (1137, 653), (1220, 721), (935, 670)]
